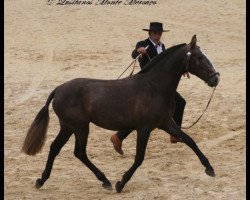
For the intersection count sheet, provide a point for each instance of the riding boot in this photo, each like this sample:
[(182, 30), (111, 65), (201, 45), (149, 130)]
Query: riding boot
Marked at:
[(117, 143), (174, 139), (178, 115), (117, 139)]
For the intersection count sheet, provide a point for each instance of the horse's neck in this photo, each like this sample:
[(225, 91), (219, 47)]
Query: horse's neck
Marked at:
[(168, 75)]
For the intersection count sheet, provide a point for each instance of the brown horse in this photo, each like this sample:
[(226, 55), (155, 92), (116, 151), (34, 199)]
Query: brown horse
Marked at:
[(141, 102)]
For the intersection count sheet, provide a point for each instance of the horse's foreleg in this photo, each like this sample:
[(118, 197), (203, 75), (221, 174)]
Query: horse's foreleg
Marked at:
[(172, 128), (142, 140), (80, 153), (55, 148)]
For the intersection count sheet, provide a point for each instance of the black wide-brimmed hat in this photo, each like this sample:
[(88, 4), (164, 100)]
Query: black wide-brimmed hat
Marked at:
[(156, 26)]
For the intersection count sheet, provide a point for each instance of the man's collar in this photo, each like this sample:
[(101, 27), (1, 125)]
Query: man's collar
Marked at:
[(154, 43)]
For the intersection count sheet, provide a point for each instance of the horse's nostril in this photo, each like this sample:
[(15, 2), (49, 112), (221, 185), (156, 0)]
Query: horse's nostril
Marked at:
[(214, 80)]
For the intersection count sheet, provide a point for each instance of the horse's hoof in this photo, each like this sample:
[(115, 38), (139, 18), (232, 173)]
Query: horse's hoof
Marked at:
[(39, 183), (210, 172), (107, 186), (118, 186)]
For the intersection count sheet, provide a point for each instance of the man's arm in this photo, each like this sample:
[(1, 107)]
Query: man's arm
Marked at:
[(135, 53)]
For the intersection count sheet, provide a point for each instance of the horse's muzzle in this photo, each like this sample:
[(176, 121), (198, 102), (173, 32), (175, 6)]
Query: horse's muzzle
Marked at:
[(214, 79)]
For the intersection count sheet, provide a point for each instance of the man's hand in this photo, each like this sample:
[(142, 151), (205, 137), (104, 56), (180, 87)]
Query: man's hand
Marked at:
[(141, 50)]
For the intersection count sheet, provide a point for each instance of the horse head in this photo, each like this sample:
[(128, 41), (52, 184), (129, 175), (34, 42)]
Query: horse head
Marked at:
[(200, 65)]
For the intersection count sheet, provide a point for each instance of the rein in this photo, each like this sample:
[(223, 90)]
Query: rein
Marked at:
[(202, 113)]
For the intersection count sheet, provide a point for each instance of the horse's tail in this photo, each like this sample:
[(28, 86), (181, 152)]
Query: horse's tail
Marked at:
[(36, 134)]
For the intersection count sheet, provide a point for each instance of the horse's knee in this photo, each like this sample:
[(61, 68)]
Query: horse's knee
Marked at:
[(189, 141), (139, 161), (80, 155), (54, 149), (76, 153)]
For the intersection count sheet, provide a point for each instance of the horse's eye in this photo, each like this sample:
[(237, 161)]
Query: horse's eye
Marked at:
[(199, 57)]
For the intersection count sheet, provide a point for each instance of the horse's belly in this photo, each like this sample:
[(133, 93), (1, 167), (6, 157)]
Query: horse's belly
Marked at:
[(113, 127), (113, 119)]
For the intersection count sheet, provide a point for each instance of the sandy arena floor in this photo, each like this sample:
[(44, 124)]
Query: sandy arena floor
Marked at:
[(46, 45)]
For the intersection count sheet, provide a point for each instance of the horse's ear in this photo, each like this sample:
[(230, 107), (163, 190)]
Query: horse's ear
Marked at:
[(193, 41)]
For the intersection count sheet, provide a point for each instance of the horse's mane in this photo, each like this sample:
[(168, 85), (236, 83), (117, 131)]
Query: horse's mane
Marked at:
[(159, 57)]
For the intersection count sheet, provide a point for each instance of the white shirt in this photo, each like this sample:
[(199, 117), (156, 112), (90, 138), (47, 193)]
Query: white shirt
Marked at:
[(157, 46)]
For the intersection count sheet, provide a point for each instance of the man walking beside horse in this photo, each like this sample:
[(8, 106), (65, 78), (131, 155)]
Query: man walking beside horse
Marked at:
[(155, 47)]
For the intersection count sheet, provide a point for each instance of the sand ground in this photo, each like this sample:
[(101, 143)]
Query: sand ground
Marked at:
[(46, 45)]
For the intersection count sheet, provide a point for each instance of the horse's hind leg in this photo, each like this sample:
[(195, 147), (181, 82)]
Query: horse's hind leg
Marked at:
[(55, 148), (81, 154), (172, 128)]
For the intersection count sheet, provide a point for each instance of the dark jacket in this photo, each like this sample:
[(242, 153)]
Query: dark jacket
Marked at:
[(152, 52)]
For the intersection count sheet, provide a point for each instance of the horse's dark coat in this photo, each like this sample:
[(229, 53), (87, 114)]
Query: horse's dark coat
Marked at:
[(142, 102)]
